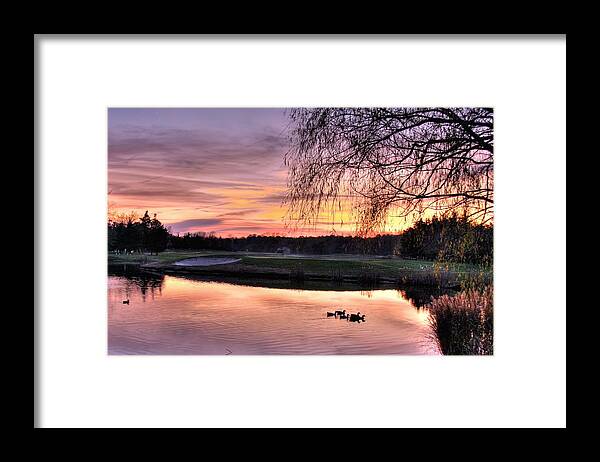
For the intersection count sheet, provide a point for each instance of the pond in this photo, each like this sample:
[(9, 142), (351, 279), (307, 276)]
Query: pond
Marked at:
[(172, 315)]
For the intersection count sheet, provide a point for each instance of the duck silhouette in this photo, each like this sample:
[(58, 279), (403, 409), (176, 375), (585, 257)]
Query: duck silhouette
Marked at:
[(329, 314), (357, 317), (126, 302)]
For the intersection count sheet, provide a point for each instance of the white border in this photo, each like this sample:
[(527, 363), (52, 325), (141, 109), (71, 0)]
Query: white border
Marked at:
[(522, 385)]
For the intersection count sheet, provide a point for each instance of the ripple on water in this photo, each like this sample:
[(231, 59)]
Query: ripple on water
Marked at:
[(174, 315)]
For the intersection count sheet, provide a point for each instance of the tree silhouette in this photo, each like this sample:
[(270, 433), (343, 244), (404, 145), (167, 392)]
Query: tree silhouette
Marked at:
[(381, 159), (126, 232), (145, 230), (158, 236)]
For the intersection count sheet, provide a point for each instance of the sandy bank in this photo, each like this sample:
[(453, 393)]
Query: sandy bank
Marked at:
[(207, 261)]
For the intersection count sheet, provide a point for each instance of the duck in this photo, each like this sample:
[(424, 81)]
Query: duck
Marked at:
[(126, 302), (357, 317), (329, 314), (340, 313), (343, 316)]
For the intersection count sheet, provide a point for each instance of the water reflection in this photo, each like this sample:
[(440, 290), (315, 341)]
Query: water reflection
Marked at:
[(175, 315), (146, 282), (420, 297)]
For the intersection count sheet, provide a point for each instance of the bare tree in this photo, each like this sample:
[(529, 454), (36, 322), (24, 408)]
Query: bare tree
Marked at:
[(380, 160)]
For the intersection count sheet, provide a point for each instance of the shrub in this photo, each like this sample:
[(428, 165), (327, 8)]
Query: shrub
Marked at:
[(463, 324)]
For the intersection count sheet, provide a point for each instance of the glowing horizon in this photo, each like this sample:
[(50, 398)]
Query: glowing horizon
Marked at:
[(209, 170)]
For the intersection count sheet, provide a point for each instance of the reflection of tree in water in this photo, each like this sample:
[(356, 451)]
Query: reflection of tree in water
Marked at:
[(421, 296), (138, 280)]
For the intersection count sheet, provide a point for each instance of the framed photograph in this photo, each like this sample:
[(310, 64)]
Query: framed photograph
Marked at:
[(256, 231), (249, 228)]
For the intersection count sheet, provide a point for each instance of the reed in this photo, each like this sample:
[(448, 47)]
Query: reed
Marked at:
[(437, 279), (367, 276), (297, 274), (476, 281), (463, 324), (337, 275)]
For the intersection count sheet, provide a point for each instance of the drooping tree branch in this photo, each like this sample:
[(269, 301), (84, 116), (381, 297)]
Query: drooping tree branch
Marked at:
[(383, 159)]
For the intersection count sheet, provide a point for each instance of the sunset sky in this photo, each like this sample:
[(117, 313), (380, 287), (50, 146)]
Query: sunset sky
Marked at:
[(211, 170)]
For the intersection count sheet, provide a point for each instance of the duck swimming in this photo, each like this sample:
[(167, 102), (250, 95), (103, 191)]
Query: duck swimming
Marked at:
[(357, 317)]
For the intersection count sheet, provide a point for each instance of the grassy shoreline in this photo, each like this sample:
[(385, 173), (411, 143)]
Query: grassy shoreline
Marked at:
[(463, 324), (352, 269)]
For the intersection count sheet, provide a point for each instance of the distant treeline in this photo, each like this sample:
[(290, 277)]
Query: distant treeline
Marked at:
[(451, 239)]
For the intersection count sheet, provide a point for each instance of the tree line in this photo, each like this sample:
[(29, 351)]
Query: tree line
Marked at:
[(450, 239), (129, 234)]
